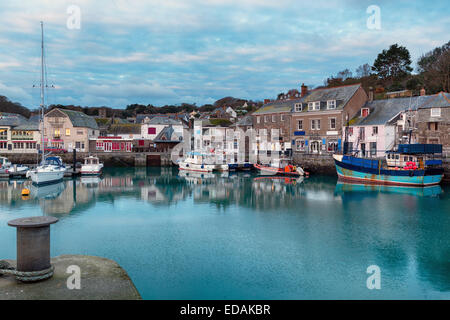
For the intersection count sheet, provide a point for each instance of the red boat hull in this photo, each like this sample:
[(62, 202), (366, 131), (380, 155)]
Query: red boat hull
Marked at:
[(275, 171)]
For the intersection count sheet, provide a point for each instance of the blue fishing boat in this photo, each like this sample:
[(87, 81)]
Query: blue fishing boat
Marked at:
[(409, 165)]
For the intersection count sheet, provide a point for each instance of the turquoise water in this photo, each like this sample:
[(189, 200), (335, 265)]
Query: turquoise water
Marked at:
[(241, 236)]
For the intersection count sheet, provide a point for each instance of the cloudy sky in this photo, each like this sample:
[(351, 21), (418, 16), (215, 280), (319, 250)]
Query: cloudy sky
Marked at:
[(173, 51)]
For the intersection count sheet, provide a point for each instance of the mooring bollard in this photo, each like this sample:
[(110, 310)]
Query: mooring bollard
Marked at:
[(33, 248)]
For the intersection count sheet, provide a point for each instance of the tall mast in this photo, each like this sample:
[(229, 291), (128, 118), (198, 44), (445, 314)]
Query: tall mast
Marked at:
[(42, 89)]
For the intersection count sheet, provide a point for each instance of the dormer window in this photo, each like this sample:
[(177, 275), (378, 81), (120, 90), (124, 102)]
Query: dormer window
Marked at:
[(314, 106), (298, 107), (331, 104), (364, 112)]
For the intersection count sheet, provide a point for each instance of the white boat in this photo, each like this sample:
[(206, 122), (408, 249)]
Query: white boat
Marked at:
[(51, 170), (91, 166), (7, 166), (195, 162)]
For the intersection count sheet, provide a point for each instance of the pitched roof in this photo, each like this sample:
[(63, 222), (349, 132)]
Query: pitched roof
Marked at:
[(277, 106), (167, 134), (79, 119), (124, 128), (11, 119), (381, 111), (244, 121), (165, 120), (439, 100), (31, 124), (341, 94)]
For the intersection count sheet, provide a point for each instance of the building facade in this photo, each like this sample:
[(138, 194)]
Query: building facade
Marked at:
[(19, 134), (318, 118), (68, 129)]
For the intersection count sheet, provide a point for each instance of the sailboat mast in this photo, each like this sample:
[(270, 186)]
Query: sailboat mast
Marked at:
[(42, 90)]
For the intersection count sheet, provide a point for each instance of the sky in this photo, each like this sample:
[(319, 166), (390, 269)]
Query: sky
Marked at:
[(118, 52)]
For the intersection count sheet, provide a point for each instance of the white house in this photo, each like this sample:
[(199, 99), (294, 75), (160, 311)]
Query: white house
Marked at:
[(150, 129)]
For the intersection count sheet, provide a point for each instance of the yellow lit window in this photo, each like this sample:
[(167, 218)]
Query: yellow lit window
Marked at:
[(57, 132), (67, 132)]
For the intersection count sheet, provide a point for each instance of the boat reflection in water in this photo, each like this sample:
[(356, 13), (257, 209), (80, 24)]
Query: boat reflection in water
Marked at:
[(51, 191), (91, 181), (346, 187)]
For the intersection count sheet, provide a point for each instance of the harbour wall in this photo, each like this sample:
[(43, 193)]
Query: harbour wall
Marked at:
[(116, 159)]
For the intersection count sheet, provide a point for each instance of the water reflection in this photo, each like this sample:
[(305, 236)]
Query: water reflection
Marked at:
[(296, 227)]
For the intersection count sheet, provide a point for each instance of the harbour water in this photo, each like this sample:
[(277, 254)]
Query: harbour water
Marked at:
[(241, 236)]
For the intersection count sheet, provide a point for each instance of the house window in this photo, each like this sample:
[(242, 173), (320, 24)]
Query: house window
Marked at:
[(57, 133), (79, 132), (282, 117), (350, 131), (374, 130), (4, 134), (331, 104), (151, 130), (364, 112), (67, 132), (298, 107), (332, 146), (332, 123), (373, 148), (273, 118), (266, 118), (300, 124), (258, 119), (315, 124), (433, 126), (3, 145), (313, 106), (300, 145), (435, 112), (281, 131)]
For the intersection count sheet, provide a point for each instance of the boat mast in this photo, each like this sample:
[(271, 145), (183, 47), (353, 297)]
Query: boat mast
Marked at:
[(42, 90)]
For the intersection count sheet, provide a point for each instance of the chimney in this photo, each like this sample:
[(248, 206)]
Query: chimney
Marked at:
[(304, 90), (370, 94), (422, 91)]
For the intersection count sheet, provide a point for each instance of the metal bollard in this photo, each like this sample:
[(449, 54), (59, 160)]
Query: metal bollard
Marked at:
[(33, 246)]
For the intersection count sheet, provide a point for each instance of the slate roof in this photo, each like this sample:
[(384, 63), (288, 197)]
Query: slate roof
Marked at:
[(31, 124), (278, 106), (341, 94), (79, 119), (439, 100), (244, 121), (167, 134), (11, 119), (381, 111), (124, 128), (166, 121)]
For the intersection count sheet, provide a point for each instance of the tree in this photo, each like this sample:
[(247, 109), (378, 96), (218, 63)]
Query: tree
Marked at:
[(363, 70), (344, 74), (393, 64), (434, 66)]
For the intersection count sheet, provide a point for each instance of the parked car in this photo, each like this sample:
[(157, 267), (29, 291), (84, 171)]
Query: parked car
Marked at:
[(55, 150)]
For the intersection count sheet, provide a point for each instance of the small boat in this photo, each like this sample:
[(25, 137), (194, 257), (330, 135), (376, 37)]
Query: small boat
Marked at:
[(7, 167), (91, 166), (195, 162), (410, 165), (50, 171), (281, 167)]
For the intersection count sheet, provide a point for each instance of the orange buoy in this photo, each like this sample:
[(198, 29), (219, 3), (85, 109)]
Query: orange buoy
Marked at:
[(25, 192)]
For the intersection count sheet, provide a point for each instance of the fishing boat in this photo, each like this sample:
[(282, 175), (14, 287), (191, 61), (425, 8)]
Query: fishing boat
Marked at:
[(281, 167), (91, 166), (410, 165), (51, 170), (195, 161)]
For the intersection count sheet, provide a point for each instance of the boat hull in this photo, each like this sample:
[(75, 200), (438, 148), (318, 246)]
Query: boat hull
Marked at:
[(413, 178), (196, 167), (275, 171), (91, 170), (43, 178)]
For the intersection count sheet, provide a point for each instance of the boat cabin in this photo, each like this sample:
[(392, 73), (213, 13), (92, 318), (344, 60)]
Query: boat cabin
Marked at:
[(414, 155), (4, 162), (91, 160)]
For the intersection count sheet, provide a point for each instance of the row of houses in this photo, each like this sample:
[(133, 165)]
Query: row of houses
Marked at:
[(322, 120)]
